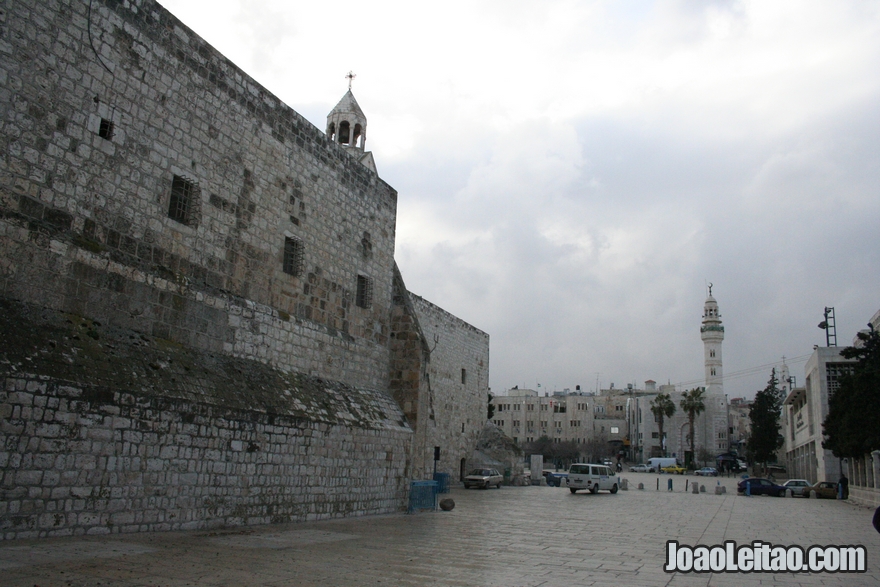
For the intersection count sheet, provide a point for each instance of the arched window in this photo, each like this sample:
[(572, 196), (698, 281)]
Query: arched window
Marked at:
[(343, 132), (331, 131), (357, 139)]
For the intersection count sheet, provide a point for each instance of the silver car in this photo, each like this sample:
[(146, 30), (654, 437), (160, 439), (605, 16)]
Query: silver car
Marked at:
[(483, 478), (798, 487)]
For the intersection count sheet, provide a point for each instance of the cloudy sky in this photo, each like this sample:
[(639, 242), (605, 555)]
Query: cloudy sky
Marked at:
[(572, 174)]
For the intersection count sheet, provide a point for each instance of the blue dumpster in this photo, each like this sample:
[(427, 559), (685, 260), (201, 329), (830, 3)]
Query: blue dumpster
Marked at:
[(422, 496), (442, 480)]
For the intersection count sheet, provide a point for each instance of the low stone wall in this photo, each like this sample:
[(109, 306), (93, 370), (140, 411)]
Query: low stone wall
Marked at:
[(104, 430), (865, 496)]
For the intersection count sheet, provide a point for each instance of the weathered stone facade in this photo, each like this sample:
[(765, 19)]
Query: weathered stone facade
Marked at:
[(91, 213), (200, 293), (106, 430), (455, 390)]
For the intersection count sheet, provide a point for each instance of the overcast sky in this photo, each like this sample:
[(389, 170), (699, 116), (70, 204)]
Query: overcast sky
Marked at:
[(572, 174)]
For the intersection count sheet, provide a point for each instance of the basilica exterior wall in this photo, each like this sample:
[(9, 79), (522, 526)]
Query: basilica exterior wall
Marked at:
[(196, 289), (455, 388), (150, 182)]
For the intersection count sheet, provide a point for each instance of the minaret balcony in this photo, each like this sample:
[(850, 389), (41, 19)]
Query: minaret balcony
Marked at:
[(711, 328)]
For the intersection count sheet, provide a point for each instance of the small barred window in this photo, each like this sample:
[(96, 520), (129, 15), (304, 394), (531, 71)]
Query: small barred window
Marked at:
[(364, 292), (293, 256), (182, 202)]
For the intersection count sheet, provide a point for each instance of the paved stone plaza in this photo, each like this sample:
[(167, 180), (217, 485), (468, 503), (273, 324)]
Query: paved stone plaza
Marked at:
[(509, 537)]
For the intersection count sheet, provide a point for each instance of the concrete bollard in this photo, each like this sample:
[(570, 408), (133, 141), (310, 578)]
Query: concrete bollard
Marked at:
[(718, 489), (789, 493), (624, 484), (723, 489), (814, 495), (668, 485), (641, 486), (702, 489), (695, 488)]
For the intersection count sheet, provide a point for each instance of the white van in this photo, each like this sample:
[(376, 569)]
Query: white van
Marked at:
[(591, 477)]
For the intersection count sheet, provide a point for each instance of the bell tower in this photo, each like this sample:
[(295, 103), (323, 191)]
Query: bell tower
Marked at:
[(347, 127)]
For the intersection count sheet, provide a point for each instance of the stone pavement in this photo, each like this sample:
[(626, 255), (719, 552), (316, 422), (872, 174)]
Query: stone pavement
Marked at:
[(508, 537)]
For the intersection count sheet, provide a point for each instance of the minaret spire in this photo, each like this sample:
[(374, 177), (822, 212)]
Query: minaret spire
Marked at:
[(712, 333)]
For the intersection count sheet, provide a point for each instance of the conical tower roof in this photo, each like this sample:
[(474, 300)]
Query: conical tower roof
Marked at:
[(348, 105)]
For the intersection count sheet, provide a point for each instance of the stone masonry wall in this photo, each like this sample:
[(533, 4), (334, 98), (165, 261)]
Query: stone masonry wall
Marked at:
[(104, 430), (105, 106), (457, 385)]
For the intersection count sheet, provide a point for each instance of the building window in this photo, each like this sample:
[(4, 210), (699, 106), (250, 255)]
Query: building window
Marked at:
[(364, 292), (105, 131), (293, 256), (181, 205)]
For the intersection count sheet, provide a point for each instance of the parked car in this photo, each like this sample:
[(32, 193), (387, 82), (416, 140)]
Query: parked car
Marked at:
[(483, 478), (797, 486), (823, 489), (641, 469), (673, 469), (759, 486), (555, 479), (706, 472)]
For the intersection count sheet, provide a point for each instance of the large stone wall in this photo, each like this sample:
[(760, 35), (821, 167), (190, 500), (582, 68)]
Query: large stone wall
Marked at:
[(162, 367), (202, 321), (85, 222), (456, 384)]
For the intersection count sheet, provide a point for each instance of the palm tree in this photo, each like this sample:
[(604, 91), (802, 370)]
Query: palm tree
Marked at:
[(662, 407), (692, 403)]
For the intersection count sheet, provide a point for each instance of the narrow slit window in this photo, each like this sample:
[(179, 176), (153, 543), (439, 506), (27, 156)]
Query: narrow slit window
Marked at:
[(105, 131), (464, 376), (293, 256), (364, 297)]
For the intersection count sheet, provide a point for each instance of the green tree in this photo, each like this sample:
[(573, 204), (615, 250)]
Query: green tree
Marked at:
[(852, 426), (705, 456), (692, 403), (662, 407), (764, 439), (490, 410)]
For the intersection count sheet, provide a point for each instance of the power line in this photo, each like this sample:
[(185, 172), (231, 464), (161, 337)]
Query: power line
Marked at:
[(748, 371)]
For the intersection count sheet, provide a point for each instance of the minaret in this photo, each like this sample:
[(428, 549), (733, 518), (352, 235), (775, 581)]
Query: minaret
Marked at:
[(347, 126), (712, 333)]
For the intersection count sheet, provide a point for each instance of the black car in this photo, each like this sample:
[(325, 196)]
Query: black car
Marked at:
[(758, 486), (556, 479)]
